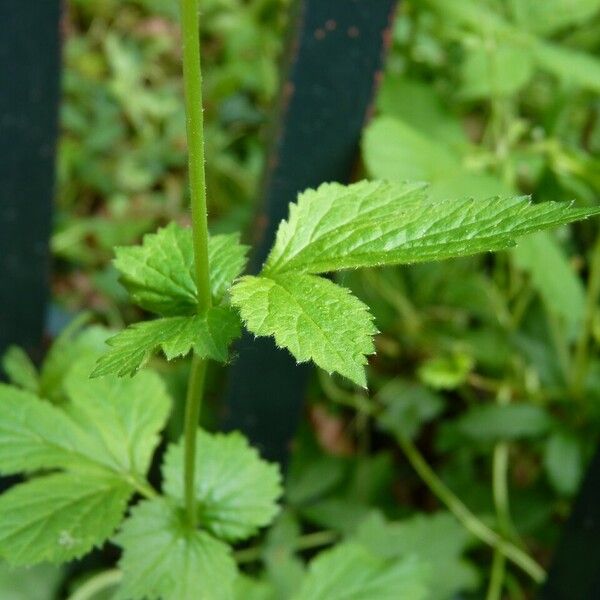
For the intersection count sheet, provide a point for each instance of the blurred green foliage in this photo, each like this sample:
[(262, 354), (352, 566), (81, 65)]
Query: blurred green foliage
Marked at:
[(479, 98)]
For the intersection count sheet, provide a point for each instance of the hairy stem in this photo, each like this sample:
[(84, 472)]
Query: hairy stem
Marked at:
[(193, 405), (466, 517), (192, 77), (96, 584)]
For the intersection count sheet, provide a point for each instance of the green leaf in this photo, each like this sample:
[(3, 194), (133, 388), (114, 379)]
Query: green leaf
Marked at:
[(236, 490), (209, 335), (437, 540), (377, 223), (560, 287), (312, 317), (20, 370), (351, 572), (109, 425), (159, 274), (498, 72), (563, 462), (446, 372), (30, 583), (163, 560), (59, 517), (494, 422), (246, 588), (71, 345), (417, 104), (408, 406), (124, 416), (36, 435), (552, 15)]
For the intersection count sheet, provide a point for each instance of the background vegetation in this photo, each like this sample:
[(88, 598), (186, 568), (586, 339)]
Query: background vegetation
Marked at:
[(487, 368)]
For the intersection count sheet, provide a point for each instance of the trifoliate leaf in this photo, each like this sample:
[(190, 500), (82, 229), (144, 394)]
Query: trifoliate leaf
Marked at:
[(59, 517), (438, 540), (124, 416), (312, 317), (378, 223), (20, 370), (164, 560), (36, 435), (159, 274), (236, 490), (350, 572), (209, 335)]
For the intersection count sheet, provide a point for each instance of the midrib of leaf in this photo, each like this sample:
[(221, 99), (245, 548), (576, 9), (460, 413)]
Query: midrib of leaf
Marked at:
[(486, 232), (362, 211)]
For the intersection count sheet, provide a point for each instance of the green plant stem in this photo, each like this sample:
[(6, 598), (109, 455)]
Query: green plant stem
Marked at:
[(305, 542), (500, 492), (193, 405), (192, 77), (498, 574), (580, 360), (96, 584), (466, 517)]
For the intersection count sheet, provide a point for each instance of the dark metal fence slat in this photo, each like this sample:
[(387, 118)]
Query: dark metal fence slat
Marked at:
[(333, 66)]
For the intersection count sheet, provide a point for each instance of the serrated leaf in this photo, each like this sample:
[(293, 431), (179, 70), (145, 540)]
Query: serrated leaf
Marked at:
[(59, 517), (20, 370), (70, 346), (163, 560), (236, 490), (124, 416), (159, 274), (351, 572), (109, 425), (312, 317), (36, 435), (378, 223), (209, 335), (438, 540)]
